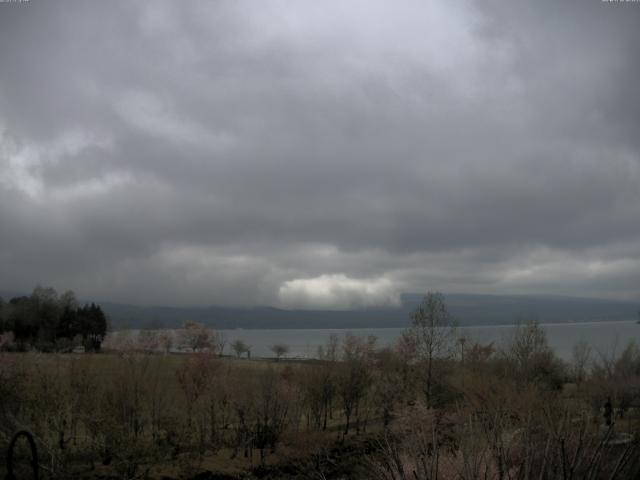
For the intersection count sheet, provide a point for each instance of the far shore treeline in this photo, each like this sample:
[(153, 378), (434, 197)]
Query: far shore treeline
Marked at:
[(48, 322)]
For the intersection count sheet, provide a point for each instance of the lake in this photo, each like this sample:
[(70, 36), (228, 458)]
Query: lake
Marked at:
[(604, 337)]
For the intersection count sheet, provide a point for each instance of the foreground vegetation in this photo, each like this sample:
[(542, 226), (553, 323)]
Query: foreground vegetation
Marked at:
[(433, 406)]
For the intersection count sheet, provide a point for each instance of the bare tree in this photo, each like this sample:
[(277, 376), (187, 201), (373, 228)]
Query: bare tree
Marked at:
[(354, 375), (319, 389), (388, 385), (148, 341), (194, 376), (279, 350), (219, 342), (239, 347), (581, 357), (273, 402), (165, 340), (195, 336), (329, 352), (531, 356), (433, 333)]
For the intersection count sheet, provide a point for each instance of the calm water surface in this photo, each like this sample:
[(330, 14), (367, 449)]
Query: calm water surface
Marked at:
[(604, 337)]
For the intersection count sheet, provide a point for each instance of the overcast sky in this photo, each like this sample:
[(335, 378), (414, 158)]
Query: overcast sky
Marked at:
[(310, 153)]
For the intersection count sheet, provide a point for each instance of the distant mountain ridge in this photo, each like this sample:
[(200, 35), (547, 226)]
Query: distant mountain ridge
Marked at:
[(466, 309)]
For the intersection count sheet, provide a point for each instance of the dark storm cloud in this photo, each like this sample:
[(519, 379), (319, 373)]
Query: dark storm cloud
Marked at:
[(334, 155)]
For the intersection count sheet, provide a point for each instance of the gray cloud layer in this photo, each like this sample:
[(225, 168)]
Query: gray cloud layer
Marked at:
[(325, 154)]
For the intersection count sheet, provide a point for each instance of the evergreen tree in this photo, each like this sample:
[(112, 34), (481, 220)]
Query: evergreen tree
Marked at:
[(43, 319)]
